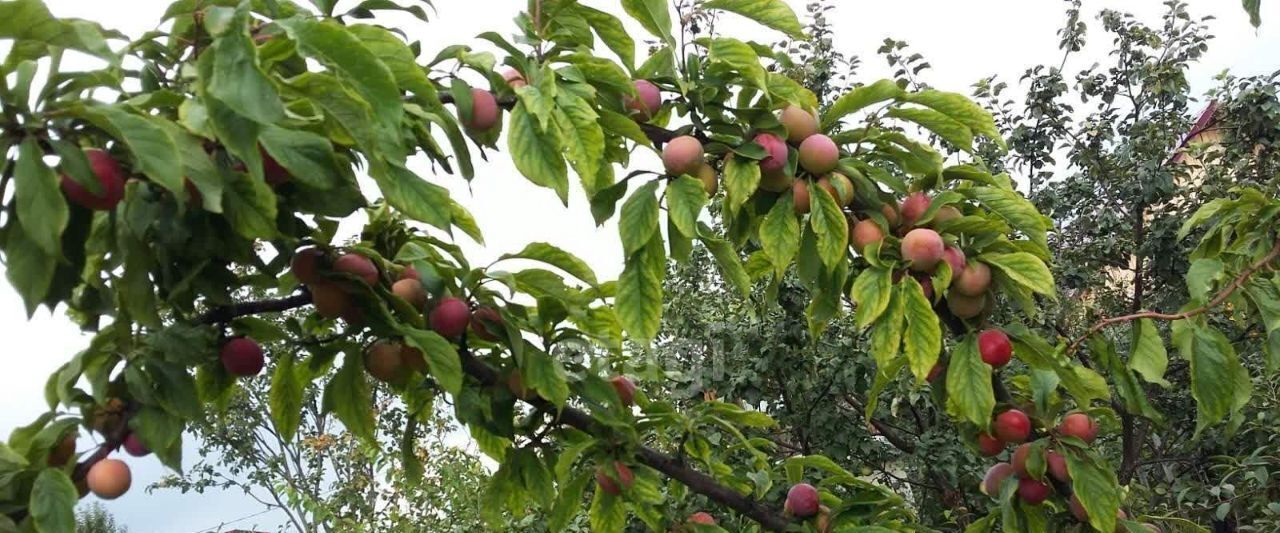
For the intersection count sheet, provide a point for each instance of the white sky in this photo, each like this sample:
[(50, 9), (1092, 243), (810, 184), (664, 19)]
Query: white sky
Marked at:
[(512, 212)]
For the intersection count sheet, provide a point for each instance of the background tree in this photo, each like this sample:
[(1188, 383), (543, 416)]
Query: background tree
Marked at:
[(97, 519)]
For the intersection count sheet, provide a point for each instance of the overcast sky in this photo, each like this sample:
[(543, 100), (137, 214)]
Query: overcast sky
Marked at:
[(964, 41)]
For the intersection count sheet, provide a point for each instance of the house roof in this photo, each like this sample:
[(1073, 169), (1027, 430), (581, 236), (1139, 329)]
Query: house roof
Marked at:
[(1206, 121)]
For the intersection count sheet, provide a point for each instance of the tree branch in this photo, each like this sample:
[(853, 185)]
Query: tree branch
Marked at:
[(1217, 300)]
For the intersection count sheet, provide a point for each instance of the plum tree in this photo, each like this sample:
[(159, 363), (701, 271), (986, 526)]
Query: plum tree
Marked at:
[(913, 207), (134, 446), (647, 102), (954, 258), (330, 300), (110, 181), (109, 479), (891, 215), (615, 480), (989, 445), (922, 249), (1012, 425), (702, 518), (838, 186), (936, 372), (513, 78), (1056, 464), (357, 265), (799, 122), (776, 182), (963, 306), (625, 388), (1080, 426), (486, 323), (1033, 491), (946, 213), (800, 195), (272, 171), (242, 356), (865, 233), (710, 180), (411, 291), (802, 500), (385, 361), (995, 477), (306, 265), (683, 155), (484, 111), (1019, 460), (995, 348), (63, 451), (819, 154), (974, 279), (450, 317), (775, 153)]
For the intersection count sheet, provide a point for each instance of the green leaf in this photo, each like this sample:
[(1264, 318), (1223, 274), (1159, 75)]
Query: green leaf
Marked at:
[(155, 153), (944, 126), (250, 206), (612, 32), (53, 501), (886, 334), (1016, 209), (780, 234), (772, 13), (417, 198), (1219, 383), (871, 293), (349, 396), (922, 340), (619, 124), (740, 57), (859, 98), (1025, 269), (332, 45), (29, 269), (40, 205), (639, 299), (1203, 214), (1202, 275), (161, 432), (576, 119), (285, 397), (1252, 7), (741, 178), (969, 392), (727, 259), (545, 375), (1132, 397), (788, 90), (345, 109), (1095, 486), (639, 220), (653, 15), (962, 109), (442, 358), (308, 157), (685, 199), (537, 154), (1149, 358), (568, 501), (1265, 295), (30, 21), (238, 80), (830, 225), (556, 257)]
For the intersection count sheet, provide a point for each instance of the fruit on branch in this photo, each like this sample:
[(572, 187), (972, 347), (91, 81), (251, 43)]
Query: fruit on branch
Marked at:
[(486, 323), (647, 101), (995, 348), (800, 193), (838, 186), (359, 266), (864, 233), (109, 478), (272, 171), (409, 273), (1078, 511), (484, 111), (946, 213), (1019, 460), (819, 154), (964, 306), (110, 177), (683, 155), (988, 445), (800, 123), (242, 356), (776, 153), (936, 372), (305, 265), (954, 258), (890, 215), (450, 317), (974, 279), (994, 477), (823, 523), (134, 446), (1057, 466), (63, 451), (331, 301), (108, 415), (513, 78), (926, 284), (922, 249), (515, 384), (1080, 426), (413, 358), (702, 518), (411, 291), (710, 181), (615, 482), (914, 207), (802, 501), (776, 182), (1032, 491), (625, 388), (1012, 426), (385, 361)]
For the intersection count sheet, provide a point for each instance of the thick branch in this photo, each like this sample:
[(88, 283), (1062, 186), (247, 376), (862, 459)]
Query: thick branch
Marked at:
[(227, 313), (1217, 300)]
